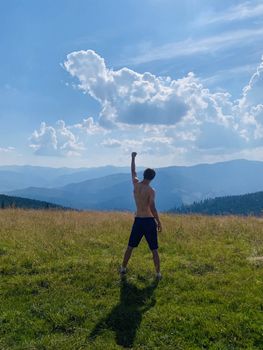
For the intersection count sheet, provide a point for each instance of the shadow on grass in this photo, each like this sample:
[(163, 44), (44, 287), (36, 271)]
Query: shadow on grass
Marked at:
[(125, 318)]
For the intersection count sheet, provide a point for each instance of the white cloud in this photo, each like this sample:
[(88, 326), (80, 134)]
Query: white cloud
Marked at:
[(88, 126), (7, 149), (131, 98), (125, 95), (253, 92), (55, 141), (159, 115), (194, 46), (250, 108), (111, 143), (246, 10)]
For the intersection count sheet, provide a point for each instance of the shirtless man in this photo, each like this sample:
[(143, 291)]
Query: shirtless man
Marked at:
[(146, 222)]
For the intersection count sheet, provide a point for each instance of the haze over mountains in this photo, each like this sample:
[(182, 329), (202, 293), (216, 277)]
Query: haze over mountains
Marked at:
[(19, 177), (110, 188)]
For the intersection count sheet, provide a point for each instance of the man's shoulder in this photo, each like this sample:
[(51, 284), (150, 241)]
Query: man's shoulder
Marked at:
[(151, 189), (135, 180)]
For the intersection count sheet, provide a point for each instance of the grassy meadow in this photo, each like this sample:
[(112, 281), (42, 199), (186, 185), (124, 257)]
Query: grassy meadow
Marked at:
[(60, 288)]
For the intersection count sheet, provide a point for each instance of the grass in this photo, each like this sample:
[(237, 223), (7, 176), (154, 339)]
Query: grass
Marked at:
[(59, 286)]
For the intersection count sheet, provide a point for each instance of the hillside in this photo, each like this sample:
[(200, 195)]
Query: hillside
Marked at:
[(174, 186), (60, 287), (25, 203), (248, 204)]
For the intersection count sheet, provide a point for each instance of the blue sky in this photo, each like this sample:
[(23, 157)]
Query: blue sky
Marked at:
[(84, 83)]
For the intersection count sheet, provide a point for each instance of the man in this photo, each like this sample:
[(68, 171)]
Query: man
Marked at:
[(146, 222)]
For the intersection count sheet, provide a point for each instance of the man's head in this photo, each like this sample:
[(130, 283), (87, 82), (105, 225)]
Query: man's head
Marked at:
[(148, 174)]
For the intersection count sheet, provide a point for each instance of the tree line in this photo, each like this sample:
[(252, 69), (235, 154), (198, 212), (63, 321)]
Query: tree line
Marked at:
[(247, 204), (25, 203)]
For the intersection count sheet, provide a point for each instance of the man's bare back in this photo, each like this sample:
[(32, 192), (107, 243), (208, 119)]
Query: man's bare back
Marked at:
[(143, 195)]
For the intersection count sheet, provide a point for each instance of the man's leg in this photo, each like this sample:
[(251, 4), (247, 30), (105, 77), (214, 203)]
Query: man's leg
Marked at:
[(127, 256), (152, 240), (156, 260), (134, 240)]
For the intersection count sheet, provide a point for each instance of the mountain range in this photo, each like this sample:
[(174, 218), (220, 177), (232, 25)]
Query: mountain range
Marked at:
[(20, 177), (110, 188)]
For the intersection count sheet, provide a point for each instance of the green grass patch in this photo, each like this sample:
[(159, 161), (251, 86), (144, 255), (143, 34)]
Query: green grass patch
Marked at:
[(60, 287)]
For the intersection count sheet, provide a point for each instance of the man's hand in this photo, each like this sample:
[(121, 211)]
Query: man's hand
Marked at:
[(159, 226), (134, 154)]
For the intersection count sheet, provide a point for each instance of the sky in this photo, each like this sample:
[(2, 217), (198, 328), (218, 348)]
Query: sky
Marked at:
[(85, 82)]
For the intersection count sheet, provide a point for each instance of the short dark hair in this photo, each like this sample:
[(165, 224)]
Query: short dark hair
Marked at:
[(148, 174)]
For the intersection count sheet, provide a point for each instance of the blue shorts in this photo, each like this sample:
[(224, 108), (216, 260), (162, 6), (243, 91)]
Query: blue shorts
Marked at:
[(144, 227)]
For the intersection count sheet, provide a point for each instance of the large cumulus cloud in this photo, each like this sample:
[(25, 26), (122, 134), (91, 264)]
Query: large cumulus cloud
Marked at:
[(125, 95), (182, 109), (128, 97), (156, 114)]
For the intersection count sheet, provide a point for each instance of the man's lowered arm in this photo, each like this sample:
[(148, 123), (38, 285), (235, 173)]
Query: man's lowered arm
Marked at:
[(154, 211)]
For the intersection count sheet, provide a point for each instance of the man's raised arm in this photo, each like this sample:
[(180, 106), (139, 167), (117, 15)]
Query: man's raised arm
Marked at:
[(133, 170)]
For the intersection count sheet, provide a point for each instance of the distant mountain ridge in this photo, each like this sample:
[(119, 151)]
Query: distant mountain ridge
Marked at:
[(19, 177), (25, 203), (247, 204), (175, 185)]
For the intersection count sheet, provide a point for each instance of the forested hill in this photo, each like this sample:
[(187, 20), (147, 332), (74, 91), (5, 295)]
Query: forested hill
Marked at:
[(25, 203), (247, 204)]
